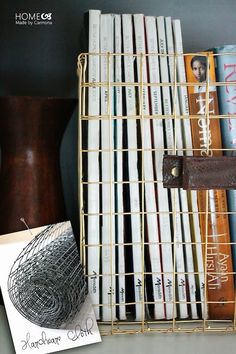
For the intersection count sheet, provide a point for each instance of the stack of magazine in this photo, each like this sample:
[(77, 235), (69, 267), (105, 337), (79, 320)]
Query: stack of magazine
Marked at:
[(145, 258)]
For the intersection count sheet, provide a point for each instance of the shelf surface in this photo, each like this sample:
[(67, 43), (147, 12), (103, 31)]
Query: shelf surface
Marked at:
[(153, 343)]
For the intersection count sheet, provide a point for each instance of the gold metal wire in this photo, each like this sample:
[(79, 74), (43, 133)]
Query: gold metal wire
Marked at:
[(145, 325)]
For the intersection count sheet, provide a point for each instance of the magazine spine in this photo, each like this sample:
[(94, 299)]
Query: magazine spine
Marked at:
[(158, 144), (107, 162), (130, 98), (175, 196), (119, 172), (93, 237), (185, 147), (148, 176)]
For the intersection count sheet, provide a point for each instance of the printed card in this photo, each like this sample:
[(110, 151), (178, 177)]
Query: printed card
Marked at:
[(44, 290)]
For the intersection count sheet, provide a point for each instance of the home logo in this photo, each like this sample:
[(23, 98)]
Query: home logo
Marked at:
[(33, 19)]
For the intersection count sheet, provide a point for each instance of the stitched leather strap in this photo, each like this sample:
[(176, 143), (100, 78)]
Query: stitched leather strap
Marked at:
[(189, 172)]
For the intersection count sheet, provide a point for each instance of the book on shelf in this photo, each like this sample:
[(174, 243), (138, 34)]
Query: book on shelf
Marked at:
[(158, 146), (226, 72), (93, 202), (107, 169), (153, 251), (175, 196), (212, 204), (180, 106), (133, 170)]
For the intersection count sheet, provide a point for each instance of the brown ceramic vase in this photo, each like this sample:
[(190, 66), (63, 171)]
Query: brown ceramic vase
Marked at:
[(31, 130)]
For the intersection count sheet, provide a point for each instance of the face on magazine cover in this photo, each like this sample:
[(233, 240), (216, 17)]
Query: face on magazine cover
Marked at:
[(198, 65)]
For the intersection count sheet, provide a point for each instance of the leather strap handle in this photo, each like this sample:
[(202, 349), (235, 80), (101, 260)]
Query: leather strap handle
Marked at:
[(199, 173)]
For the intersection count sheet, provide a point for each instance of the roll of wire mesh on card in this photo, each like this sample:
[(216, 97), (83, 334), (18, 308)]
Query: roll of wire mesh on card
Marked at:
[(46, 283)]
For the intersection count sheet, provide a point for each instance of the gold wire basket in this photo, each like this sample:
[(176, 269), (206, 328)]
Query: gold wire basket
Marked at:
[(109, 248)]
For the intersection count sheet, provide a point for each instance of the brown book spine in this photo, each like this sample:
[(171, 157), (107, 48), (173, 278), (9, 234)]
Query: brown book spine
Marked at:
[(212, 205)]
